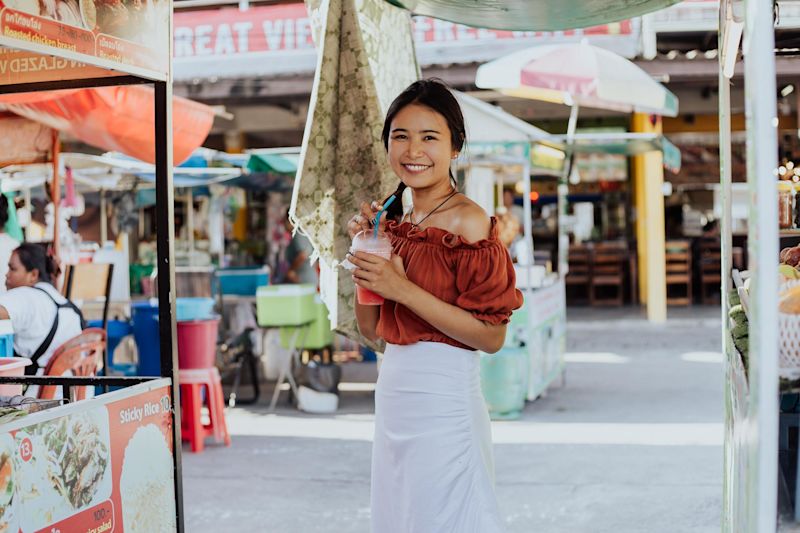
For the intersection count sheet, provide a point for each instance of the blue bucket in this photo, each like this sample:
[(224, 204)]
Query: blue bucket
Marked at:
[(145, 333)]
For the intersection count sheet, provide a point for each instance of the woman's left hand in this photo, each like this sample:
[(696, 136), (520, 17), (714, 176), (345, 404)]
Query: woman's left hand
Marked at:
[(386, 278)]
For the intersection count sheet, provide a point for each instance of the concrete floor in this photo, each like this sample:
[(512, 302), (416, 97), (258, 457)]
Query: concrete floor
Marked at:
[(631, 443)]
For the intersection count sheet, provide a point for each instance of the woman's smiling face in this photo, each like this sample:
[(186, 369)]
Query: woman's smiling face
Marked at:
[(420, 146)]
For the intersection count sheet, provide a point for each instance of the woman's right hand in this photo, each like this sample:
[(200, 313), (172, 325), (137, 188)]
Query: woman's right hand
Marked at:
[(363, 220)]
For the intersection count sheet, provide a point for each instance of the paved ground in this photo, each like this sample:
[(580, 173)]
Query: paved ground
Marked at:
[(632, 443)]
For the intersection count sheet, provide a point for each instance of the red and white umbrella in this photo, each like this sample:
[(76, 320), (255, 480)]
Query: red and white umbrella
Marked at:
[(578, 74)]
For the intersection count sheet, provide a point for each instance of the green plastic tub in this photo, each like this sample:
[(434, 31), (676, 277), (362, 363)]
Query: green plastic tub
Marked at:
[(319, 334), (285, 305)]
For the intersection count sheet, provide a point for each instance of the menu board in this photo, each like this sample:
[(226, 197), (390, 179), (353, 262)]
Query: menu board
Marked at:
[(20, 66), (106, 465), (130, 36)]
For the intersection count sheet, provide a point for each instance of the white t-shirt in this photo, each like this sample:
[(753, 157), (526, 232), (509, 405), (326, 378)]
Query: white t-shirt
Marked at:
[(32, 314), (7, 245)]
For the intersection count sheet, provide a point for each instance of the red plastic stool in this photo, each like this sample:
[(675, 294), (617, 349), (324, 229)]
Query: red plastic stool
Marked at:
[(193, 430)]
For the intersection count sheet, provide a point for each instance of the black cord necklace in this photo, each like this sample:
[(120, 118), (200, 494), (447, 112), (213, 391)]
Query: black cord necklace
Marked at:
[(416, 224)]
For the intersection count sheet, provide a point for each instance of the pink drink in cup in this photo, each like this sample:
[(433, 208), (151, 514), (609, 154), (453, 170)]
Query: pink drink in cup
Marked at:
[(381, 246)]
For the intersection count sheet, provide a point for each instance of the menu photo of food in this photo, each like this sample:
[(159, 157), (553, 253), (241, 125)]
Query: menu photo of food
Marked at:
[(9, 521), (64, 467), (79, 14), (147, 483), (135, 20)]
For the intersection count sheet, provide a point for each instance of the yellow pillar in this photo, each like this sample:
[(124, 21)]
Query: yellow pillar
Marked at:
[(648, 181)]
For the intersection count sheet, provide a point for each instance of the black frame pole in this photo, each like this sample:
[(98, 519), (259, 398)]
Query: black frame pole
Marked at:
[(165, 230)]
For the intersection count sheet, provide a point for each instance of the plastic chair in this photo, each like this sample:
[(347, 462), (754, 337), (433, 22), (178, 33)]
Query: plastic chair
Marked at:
[(192, 384), (78, 356)]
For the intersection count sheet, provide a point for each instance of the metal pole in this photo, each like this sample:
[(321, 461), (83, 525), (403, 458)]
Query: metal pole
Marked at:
[(562, 244), (165, 231), (762, 152), (55, 192), (729, 481), (103, 218), (190, 222)]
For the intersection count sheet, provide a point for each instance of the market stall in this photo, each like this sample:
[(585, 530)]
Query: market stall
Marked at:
[(753, 369), (501, 149), (74, 464)]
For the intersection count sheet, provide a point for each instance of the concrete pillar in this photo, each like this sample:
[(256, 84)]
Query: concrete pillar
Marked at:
[(648, 181)]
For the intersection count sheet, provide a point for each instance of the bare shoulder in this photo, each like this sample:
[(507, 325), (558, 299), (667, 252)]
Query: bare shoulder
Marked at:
[(471, 221)]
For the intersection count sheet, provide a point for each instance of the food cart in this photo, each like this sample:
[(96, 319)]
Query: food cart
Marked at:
[(111, 463), (501, 147)]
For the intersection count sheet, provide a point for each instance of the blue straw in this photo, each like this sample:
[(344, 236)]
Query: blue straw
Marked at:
[(380, 213)]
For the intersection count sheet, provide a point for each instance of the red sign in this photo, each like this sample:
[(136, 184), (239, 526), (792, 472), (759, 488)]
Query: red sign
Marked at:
[(105, 468), (111, 34), (230, 31)]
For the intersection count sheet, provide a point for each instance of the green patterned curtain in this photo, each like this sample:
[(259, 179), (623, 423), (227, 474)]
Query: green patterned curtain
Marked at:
[(365, 58)]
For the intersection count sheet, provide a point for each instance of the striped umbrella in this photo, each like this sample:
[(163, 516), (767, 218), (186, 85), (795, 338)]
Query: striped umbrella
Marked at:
[(578, 75)]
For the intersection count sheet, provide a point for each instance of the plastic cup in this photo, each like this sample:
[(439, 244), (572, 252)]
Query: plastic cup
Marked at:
[(380, 246)]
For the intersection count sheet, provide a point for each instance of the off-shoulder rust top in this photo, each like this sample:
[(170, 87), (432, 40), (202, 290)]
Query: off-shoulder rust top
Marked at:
[(478, 277)]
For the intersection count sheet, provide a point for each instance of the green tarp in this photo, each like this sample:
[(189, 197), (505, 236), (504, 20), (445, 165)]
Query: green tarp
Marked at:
[(277, 163), (532, 15)]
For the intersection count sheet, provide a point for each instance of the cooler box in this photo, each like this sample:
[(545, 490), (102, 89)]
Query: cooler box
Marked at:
[(12, 366), (317, 336), (285, 305), (504, 382), (6, 339), (242, 281)]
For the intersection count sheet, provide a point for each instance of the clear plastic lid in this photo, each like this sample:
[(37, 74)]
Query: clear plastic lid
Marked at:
[(364, 241)]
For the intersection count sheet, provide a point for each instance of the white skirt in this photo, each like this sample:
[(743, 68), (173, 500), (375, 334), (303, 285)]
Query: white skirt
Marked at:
[(432, 466)]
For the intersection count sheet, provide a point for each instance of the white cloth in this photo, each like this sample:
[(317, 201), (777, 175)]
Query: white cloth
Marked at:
[(32, 314), (7, 245), (432, 465)]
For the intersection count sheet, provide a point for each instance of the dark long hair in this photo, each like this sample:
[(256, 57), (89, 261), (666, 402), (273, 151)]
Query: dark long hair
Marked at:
[(436, 95), (3, 211), (35, 256)]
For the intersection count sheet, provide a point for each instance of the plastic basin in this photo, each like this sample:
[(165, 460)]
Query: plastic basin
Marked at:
[(12, 366), (194, 308), (197, 343), (242, 281)]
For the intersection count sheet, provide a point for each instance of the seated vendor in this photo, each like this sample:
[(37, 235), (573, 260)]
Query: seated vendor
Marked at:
[(41, 317)]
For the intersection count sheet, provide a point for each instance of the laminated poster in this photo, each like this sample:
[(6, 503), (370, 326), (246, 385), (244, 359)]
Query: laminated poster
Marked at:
[(106, 468), (108, 33)]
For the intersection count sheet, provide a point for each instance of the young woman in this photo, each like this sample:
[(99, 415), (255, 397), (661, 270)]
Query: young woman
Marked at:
[(41, 317), (7, 243), (449, 290)]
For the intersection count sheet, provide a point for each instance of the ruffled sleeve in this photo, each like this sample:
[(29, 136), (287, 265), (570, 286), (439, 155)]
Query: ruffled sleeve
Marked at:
[(486, 283)]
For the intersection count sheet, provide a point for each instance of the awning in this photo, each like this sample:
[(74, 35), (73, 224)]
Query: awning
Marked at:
[(628, 144), (119, 119), (532, 15)]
